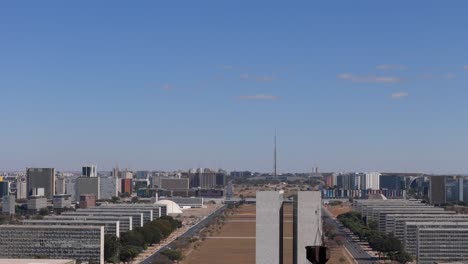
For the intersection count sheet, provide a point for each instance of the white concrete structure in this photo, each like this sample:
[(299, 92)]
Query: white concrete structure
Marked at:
[(307, 226), (172, 207), (110, 227), (269, 228), (36, 203)]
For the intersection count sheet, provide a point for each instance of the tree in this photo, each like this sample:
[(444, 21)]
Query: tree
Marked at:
[(133, 238), (115, 199), (135, 199), (111, 248), (403, 257), (173, 254), (128, 253), (43, 211)]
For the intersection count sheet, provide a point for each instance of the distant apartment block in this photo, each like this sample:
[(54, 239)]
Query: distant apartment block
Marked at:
[(41, 178), (437, 190), (62, 201), (4, 188), (83, 243), (60, 185), (174, 183), (269, 228), (89, 171), (8, 204), (126, 185), (88, 185)]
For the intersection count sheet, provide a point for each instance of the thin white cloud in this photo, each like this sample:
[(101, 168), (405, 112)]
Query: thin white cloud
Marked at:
[(265, 78), (449, 75), (390, 67), (399, 95), (267, 97), (226, 67), (369, 78), (244, 76), (167, 87)]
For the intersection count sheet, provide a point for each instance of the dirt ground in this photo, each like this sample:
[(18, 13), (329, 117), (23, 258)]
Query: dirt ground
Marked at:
[(235, 242), (339, 256), (339, 209)]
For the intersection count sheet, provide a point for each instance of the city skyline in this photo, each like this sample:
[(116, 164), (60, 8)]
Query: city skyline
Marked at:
[(352, 87)]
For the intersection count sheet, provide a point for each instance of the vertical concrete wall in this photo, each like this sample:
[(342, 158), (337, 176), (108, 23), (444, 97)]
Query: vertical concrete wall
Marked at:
[(268, 242), (307, 229)]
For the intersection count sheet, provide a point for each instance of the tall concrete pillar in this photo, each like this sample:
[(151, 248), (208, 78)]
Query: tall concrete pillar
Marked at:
[(269, 228), (307, 227)]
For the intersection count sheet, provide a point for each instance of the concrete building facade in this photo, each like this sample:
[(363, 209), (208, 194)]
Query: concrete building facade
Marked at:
[(307, 224), (269, 228), (83, 243), (41, 178), (88, 185), (9, 203)]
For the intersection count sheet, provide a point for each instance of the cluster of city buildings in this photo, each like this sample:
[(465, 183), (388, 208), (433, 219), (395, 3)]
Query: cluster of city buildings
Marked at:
[(307, 226), (77, 235), (361, 185), (429, 234), (77, 231)]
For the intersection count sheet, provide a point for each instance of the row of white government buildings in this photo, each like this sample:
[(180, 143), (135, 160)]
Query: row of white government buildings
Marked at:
[(430, 234), (75, 235)]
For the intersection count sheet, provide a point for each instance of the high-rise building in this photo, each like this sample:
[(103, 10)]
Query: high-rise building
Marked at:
[(41, 178), (60, 185), (437, 190), (221, 179), (89, 171), (370, 181), (4, 188), (8, 204), (88, 185), (269, 228), (207, 180), (307, 224), (126, 186), (21, 189)]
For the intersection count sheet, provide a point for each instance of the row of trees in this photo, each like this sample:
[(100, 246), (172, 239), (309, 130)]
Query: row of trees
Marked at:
[(133, 242), (382, 243)]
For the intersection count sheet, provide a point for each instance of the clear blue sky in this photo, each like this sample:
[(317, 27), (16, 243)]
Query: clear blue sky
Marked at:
[(349, 85)]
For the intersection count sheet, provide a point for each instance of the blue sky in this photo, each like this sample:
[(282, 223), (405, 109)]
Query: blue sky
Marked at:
[(349, 85)]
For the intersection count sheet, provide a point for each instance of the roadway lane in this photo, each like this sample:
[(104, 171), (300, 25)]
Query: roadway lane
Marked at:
[(189, 233), (359, 254)]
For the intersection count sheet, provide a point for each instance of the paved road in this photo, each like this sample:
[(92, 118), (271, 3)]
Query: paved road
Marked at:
[(361, 256), (189, 233)]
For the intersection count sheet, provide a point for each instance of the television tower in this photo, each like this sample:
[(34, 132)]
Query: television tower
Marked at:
[(274, 156)]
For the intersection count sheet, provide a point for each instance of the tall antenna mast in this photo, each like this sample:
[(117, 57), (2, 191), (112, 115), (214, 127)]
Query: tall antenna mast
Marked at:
[(274, 154)]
